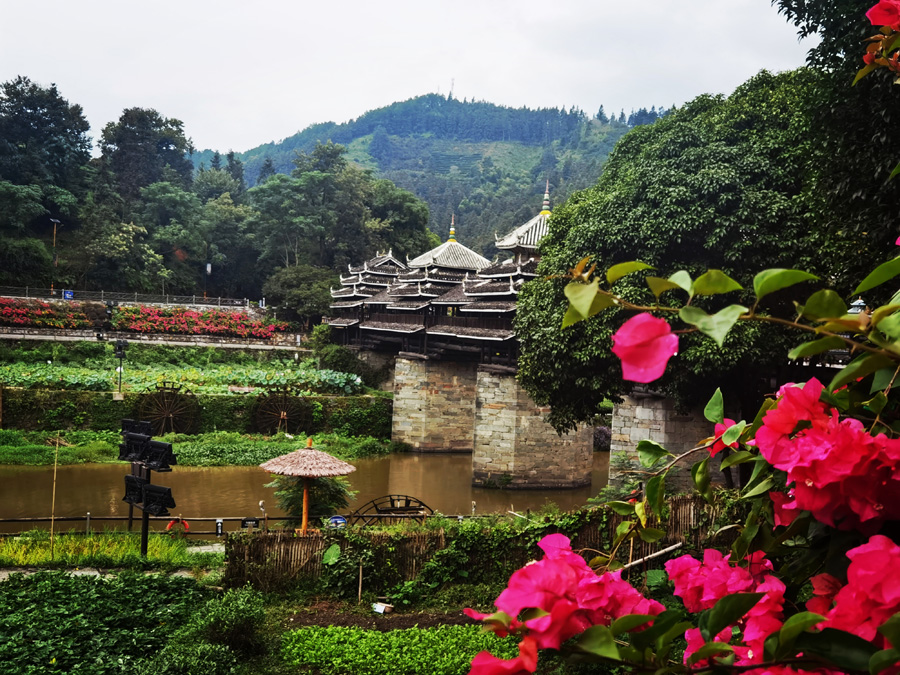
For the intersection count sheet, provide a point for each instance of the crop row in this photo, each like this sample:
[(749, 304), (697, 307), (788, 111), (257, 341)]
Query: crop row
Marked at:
[(212, 379)]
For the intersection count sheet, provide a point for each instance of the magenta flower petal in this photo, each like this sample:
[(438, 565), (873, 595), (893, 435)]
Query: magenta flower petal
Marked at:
[(645, 344)]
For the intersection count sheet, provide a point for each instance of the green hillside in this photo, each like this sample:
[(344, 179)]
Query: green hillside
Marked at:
[(485, 163)]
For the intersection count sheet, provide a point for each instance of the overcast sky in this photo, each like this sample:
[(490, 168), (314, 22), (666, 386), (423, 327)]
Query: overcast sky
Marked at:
[(241, 73)]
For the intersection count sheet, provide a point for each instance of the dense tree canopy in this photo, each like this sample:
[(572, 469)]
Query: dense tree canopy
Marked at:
[(859, 124), (43, 138), (144, 147), (138, 219), (720, 183)]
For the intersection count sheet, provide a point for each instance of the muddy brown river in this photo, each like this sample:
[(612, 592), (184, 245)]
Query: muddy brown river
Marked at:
[(443, 482)]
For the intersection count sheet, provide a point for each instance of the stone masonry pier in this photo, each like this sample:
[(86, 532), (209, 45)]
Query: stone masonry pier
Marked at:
[(650, 417), (515, 447), (434, 404)]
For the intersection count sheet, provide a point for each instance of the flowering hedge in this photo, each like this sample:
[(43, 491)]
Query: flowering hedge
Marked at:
[(40, 314), (824, 487), (147, 319)]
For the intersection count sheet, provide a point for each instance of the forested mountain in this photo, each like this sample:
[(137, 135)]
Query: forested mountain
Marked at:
[(485, 163), (152, 215)]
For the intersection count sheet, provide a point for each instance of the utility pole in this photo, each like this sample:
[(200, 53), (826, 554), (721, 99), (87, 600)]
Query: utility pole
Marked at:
[(55, 258)]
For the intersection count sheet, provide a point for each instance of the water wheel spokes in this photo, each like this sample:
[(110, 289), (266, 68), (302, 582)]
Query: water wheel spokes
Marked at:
[(280, 410), (389, 510), (170, 408)]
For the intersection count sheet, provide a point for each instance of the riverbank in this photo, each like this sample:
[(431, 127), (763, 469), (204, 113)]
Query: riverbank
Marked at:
[(43, 448)]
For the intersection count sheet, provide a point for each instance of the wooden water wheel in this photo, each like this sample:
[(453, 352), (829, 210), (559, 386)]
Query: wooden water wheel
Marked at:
[(169, 408), (281, 410), (390, 510)]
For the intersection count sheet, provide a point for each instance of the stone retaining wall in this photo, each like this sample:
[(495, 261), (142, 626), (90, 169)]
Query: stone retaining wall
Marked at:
[(278, 341)]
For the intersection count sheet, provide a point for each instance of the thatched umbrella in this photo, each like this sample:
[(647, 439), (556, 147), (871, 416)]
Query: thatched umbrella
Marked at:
[(307, 463)]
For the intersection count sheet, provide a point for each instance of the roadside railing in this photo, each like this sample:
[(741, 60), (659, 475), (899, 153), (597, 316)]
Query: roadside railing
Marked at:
[(30, 292)]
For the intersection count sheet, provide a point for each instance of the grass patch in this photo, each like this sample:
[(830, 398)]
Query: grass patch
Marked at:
[(37, 448), (106, 550)]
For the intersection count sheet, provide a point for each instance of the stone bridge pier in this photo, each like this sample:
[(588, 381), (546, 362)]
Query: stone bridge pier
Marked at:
[(645, 416), (448, 406), (434, 404)]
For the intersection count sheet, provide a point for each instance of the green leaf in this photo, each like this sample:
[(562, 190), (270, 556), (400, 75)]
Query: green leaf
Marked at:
[(581, 296), (876, 404), (683, 280), (599, 641), (700, 476), (815, 347), (659, 286), (769, 281), (572, 317), (890, 326), (616, 272), (534, 613), (865, 70), (499, 619), (655, 489), (715, 325), (331, 555), (629, 622), (824, 304), (895, 172), (622, 508), (882, 380), (737, 458), (708, 651), (845, 650), (640, 509), (763, 486), (726, 612), (884, 272), (650, 452), (883, 660), (859, 367), (733, 432), (651, 534), (715, 409), (798, 624), (714, 282), (891, 630)]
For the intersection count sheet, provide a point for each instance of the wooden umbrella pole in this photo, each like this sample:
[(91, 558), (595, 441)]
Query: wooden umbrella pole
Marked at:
[(53, 498), (305, 506)]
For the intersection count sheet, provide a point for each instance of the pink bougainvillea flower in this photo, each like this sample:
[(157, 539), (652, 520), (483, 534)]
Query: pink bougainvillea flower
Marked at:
[(486, 663), (785, 508), (871, 595), (645, 344), (719, 445), (825, 587), (885, 13)]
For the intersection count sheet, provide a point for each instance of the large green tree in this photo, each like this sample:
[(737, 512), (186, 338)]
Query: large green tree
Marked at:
[(859, 124), (144, 147), (43, 138), (726, 183)]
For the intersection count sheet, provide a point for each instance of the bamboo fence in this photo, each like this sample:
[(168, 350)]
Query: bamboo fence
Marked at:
[(277, 558)]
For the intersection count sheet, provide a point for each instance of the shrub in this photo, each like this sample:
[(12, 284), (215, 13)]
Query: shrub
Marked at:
[(442, 650)]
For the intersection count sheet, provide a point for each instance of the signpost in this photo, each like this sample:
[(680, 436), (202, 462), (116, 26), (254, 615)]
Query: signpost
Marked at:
[(146, 456)]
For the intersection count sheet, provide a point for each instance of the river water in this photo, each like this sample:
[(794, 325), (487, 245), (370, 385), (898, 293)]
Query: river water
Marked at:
[(443, 482)]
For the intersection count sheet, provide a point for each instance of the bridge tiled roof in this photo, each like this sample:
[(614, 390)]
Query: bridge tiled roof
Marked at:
[(391, 327), (526, 236), (451, 254)]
